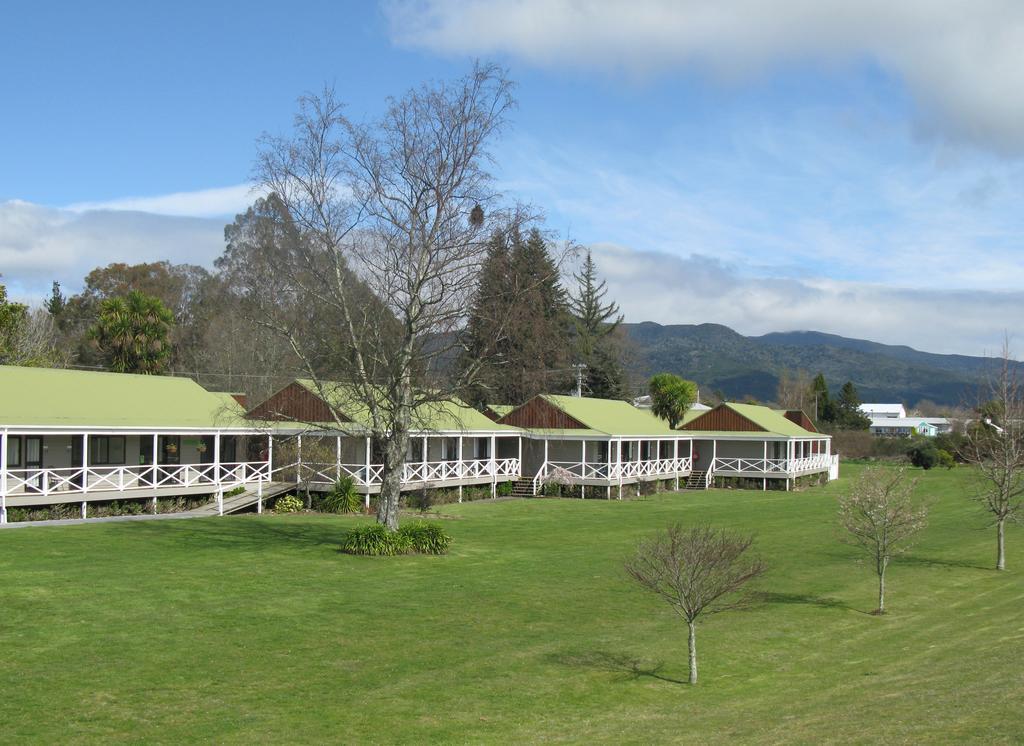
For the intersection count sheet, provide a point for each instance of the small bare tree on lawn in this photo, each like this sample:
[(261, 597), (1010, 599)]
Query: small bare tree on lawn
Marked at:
[(384, 226), (881, 517), (697, 571), (995, 446)]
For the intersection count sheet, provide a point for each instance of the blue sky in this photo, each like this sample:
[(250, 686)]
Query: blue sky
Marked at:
[(853, 169)]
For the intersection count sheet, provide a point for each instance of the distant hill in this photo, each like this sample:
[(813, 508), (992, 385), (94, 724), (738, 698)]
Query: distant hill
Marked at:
[(719, 358)]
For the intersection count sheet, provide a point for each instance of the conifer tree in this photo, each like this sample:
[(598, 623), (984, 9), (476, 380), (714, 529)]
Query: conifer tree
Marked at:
[(519, 293), (595, 323)]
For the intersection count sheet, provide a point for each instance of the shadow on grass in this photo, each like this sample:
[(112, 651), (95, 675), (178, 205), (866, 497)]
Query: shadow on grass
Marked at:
[(244, 532), (630, 667), (804, 599), (910, 559)]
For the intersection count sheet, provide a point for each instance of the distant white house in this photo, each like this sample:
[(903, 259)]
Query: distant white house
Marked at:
[(903, 427), (875, 411)]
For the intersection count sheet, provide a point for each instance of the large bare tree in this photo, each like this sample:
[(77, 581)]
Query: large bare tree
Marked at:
[(697, 571), (994, 445), (881, 517), (384, 225)]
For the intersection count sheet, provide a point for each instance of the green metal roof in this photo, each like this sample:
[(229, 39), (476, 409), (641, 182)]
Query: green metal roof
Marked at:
[(48, 397), (448, 416), (501, 409), (772, 421), (610, 417)]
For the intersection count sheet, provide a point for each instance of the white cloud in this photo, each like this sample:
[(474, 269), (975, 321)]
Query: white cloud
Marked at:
[(654, 286), (41, 244), (221, 201), (963, 60)]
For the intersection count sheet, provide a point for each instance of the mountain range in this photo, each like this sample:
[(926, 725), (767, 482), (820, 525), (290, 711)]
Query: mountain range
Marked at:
[(721, 359)]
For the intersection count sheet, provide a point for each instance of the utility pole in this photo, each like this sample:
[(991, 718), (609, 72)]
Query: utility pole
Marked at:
[(579, 368)]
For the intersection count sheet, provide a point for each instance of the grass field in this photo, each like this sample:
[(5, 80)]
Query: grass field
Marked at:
[(256, 629)]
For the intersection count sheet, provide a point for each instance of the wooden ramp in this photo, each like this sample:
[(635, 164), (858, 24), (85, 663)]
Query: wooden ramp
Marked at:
[(242, 501)]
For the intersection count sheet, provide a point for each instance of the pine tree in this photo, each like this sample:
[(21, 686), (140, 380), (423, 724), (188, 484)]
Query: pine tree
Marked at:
[(595, 323), (847, 414), (823, 408), (529, 334), (56, 303)]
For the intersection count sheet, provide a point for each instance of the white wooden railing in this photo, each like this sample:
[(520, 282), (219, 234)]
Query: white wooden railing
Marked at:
[(412, 473), (570, 472), (79, 480), (817, 462)]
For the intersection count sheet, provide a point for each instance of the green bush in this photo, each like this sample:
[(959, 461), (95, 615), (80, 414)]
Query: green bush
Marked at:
[(343, 498), (946, 458), (374, 540), (924, 455), (504, 489), (288, 504), (426, 538), (235, 491)]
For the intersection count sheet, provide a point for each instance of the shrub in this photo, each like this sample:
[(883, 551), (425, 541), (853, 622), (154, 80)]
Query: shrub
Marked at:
[(946, 458), (343, 498), (426, 538), (504, 489), (288, 504), (924, 455), (374, 540), (236, 491)]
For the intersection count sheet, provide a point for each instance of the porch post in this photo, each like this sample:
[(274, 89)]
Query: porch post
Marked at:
[(259, 497), (458, 465), (156, 460), (337, 458), (494, 468), (618, 460), (216, 458), (298, 461), (583, 468), (85, 467), (764, 458), (3, 477), (366, 474), (85, 510), (675, 459), (270, 456)]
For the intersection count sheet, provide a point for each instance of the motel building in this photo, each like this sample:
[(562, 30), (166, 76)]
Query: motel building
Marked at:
[(78, 437), (599, 443), (69, 436), (323, 435)]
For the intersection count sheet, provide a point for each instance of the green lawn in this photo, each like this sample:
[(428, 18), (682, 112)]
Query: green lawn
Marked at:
[(236, 630)]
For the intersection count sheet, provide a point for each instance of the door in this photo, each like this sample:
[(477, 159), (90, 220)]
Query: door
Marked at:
[(34, 460)]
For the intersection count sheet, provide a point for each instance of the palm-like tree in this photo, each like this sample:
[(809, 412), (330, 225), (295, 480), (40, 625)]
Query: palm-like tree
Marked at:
[(132, 333)]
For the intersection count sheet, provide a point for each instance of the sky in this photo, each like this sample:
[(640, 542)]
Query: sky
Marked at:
[(853, 168)]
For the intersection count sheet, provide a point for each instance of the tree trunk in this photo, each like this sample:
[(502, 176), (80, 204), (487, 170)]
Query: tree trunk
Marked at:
[(881, 591), (1001, 544), (693, 652)]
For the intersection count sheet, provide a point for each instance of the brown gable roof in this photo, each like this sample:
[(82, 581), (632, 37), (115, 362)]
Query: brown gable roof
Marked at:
[(797, 416), (723, 419), (539, 413), (293, 403)]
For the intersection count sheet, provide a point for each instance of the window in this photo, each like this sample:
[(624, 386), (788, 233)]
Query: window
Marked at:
[(14, 450), (106, 449)]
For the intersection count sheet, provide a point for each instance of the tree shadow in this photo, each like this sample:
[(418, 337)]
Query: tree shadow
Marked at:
[(804, 599), (911, 559), (245, 532), (627, 666)]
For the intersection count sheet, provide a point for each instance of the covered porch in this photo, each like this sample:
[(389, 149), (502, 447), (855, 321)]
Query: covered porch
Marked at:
[(609, 462), (50, 466), (318, 460)]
